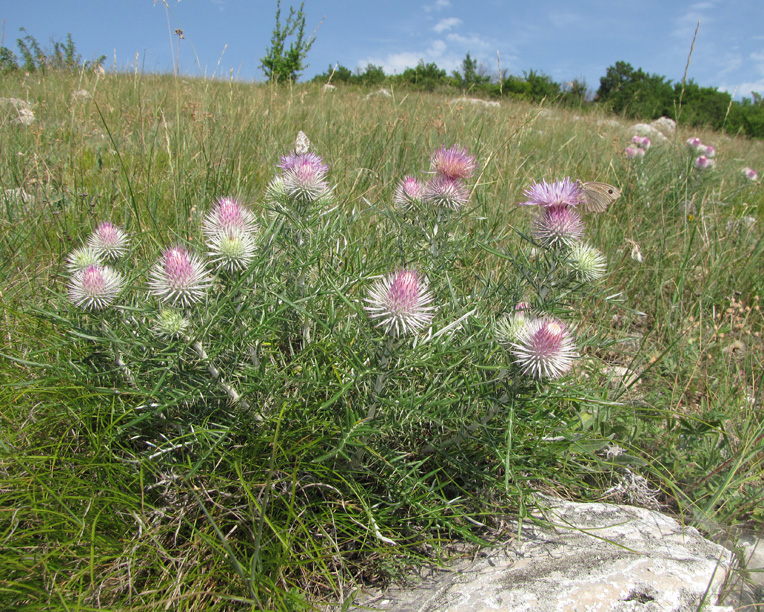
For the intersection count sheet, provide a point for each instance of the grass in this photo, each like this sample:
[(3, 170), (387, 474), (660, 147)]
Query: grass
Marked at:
[(154, 491)]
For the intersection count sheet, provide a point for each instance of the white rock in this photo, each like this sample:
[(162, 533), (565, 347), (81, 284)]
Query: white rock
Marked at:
[(81, 94), (476, 102), (665, 126), (643, 129), (590, 558), (385, 93)]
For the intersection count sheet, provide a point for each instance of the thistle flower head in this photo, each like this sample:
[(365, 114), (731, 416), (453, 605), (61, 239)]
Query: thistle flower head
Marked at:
[(81, 258), (703, 162), (694, 143), (400, 302), (641, 141), (750, 174), (556, 226), (446, 192), (544, 348), (179, 277), (170, 324), (311, 160), (108, 241), (232, 250), (305, 182), (588, 263), (509, 328), (227, 216), (408, 192), (709, 151), (632, 152), (453, 163), (94, 287), (560, 193)]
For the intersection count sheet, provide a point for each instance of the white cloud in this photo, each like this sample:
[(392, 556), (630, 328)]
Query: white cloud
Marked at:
[(743, 90), (467, 41), (395, 63), (446, 24), (438, 5)]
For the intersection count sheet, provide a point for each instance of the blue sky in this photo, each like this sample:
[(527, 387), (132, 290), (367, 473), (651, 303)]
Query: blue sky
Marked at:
[(565, 39)]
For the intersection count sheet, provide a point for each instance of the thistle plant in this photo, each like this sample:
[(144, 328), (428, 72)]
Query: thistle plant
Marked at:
[(431, 210)]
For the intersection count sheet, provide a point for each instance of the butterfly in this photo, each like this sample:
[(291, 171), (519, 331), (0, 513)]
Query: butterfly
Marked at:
[(598, 196), (302, 144)]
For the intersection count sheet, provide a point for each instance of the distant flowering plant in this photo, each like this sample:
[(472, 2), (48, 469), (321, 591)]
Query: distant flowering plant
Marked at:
[(179, 277), (400, 302), (634, 152), (641, 141), (750, 174), (564, 193), (95, 287), (703, 162)]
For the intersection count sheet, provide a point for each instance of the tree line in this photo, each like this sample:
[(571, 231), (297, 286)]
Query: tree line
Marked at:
[(623, 90)]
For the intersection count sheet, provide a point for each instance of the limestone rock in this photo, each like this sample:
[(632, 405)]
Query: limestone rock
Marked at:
[(643, 129), (664, 125), (475, 102), (587, 558)]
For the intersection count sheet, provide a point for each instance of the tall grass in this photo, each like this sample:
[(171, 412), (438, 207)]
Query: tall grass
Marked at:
[(353, 457)]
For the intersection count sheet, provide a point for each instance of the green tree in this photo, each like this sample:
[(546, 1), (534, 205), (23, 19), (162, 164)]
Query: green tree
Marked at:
[(635, 93), (281, 64), (424, 76), (470, 75)]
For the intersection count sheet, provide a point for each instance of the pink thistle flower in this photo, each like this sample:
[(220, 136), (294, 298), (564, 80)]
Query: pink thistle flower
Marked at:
[(293, 160), (453, 163), (179, 277), (228, 216), (401, 303), (750, 174), (709, 151), (632, 152), (641, 141), (560, 193), (557, 225), (109, 241), (702, 163), (544, 348), (94, 287), (305, 181), (445, 192), (694, 143), (408, 192)]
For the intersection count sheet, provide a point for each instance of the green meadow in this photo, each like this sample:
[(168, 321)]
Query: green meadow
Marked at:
[(284, 452)]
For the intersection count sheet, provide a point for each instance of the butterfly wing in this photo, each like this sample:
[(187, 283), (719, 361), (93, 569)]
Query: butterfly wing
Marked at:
[(598, 196), (303, 144)]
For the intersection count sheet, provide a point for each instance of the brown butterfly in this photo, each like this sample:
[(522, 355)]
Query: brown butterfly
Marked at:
[(598, 196)]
